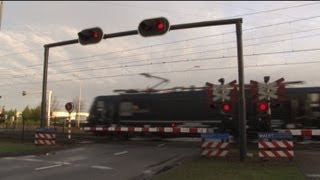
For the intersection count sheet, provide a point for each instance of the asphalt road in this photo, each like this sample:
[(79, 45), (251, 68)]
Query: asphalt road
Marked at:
[(308, 160), (116, 160)]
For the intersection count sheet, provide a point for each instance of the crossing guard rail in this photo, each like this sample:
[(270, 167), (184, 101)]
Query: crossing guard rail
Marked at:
[(275, 145), (45, 136), (215, 144)]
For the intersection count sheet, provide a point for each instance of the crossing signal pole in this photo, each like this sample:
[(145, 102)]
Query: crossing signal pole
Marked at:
[(162, 28)]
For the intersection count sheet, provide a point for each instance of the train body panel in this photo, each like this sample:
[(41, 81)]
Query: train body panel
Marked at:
[(192, 107)]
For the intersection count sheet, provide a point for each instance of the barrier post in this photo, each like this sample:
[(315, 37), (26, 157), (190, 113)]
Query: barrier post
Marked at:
[(45, 136), (69, 128), (278, 145), (215, 145)]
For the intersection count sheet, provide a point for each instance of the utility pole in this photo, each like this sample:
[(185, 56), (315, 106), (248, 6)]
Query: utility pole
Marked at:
[(79, 105), (49, 108), (1, 10)]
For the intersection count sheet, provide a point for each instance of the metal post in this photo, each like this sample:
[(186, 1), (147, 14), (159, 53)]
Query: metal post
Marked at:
[(49, 108), (242, 102), (44, 87)]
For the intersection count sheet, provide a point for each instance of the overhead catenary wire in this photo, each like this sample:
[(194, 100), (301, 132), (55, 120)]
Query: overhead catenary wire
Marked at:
[(122, 65), (203, 69), (133, 49)]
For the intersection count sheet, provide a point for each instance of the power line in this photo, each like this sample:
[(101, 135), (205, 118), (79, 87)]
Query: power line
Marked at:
[(173, 42), (120, 65), (133, 49), (201, 59)]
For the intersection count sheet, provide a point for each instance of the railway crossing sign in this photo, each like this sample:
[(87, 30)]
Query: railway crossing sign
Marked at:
[(223, 92), (268, 91)]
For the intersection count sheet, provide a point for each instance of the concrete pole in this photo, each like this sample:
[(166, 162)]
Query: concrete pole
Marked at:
[(79, 106)]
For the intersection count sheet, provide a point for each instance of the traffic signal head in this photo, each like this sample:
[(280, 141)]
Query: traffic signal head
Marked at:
[(153, 27), (225, 107), (263, 107), (90, 36)]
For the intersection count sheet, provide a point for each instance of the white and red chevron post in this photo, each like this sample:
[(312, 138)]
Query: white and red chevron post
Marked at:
[(45, 137), (275, 145), (215, 145)]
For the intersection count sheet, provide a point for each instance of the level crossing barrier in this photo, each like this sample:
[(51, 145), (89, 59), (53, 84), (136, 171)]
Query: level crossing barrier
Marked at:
[(45, 136), (275, 145), (215, 144)]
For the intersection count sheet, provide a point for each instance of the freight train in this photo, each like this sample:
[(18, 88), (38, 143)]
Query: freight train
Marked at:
[(189, 107)]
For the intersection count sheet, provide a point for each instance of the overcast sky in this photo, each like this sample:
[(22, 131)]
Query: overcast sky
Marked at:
[(281, 39)]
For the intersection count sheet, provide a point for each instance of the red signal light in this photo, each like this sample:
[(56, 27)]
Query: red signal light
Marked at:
[(225, 107), (263, 106), (95, 35), (160, 26)]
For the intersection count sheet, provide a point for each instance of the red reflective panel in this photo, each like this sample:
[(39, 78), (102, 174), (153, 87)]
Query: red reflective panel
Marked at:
[(226, 107), (160, 26)]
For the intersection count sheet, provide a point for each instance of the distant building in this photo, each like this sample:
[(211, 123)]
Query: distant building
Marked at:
[(74, 116)]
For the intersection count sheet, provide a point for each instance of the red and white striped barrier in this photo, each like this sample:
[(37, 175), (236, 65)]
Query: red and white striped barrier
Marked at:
[(276, 154), (45, 136), (42, 138), (283, 148), (213, 144), (215, 153), (44, 142), (275, 144), (150, 129), (302, 132)]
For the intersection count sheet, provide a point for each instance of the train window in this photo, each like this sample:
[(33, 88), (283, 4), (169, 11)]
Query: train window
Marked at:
[(100, 105), (316, 108), (125, 109)]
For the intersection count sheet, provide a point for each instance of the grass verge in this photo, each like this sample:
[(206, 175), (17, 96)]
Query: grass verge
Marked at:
[(226, 169), (14, 148)]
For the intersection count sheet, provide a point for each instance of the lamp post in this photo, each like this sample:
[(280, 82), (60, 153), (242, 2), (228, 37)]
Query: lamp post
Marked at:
[(79, 102)]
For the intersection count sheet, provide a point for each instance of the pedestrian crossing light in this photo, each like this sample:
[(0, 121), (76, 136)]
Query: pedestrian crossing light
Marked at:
[(90, 36), (153, 27)]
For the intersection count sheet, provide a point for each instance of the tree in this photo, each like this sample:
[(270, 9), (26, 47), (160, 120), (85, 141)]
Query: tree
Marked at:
[(55, 105), (26, 113), (76, 104)]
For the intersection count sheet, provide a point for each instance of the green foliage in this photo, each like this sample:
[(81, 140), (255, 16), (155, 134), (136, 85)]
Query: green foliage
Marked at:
[(31, 114)]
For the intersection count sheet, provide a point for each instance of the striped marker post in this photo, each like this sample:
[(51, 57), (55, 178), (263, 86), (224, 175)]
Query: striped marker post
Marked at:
[(275, 145), (69, 128)]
